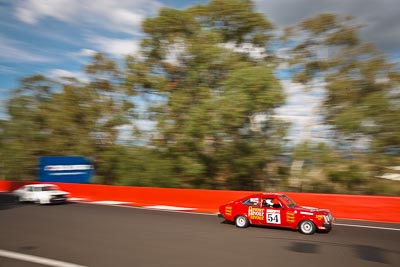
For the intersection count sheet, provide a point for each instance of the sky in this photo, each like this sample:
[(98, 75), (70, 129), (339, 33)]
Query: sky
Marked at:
[(57, 37)]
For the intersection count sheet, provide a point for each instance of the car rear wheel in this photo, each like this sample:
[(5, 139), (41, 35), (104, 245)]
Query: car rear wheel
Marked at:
[(307, 227), (241, 221)]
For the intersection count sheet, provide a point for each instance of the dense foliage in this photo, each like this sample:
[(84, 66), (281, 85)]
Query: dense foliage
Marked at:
[(212, 100)]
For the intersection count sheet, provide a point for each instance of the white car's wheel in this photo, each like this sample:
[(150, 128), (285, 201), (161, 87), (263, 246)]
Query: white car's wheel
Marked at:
[(241, 221), (307, 227), (42, 201)]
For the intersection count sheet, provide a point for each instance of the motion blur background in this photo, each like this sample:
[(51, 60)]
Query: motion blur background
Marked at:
[(278, 95)]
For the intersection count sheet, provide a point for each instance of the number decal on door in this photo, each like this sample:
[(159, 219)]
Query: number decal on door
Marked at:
[(274, 216)]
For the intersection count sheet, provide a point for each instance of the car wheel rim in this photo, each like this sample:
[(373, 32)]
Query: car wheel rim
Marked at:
[(306, 227), (241, 221)]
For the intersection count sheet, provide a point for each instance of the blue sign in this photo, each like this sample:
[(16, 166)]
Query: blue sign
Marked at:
[(65, 169)]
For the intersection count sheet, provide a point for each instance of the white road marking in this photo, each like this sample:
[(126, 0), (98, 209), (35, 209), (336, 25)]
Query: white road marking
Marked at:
[(145, 208), (111, 202), (77, 199), (36, 259), (163, 207), (366, 226), (187, 210)]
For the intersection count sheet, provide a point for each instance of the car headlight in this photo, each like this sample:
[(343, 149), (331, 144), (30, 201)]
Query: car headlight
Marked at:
[(328, 218)]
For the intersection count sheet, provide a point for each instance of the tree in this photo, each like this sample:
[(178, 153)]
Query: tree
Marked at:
[(210, 92), (362, 98), (22, 134), (66, 117), (361, 85)]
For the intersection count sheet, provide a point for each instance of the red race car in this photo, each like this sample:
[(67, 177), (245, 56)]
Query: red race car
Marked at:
[(278, 210)]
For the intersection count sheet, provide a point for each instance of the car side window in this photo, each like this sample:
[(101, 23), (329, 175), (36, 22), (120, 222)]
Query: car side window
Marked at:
[(29, 189), (271, 203), (251, 202)]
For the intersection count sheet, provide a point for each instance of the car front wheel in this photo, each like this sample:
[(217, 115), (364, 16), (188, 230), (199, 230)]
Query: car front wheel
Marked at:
[(241, 221), (42, 201), (307, 227)]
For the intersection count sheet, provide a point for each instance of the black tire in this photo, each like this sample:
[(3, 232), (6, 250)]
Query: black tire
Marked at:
[(326, 231), (20, 199), (241, 221), (307, 227)]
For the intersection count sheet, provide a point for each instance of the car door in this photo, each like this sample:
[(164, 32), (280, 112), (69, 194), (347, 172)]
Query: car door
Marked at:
[(37, 193), (275, 212), (255, 213), (28, 193)]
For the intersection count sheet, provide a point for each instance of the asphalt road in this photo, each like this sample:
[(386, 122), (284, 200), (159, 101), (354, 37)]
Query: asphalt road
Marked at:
[(97, 236)]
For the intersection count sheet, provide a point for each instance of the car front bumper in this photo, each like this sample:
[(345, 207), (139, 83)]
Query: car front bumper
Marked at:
[(58, 199), (327, 226)]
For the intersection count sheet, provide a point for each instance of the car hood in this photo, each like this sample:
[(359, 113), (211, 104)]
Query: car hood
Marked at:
[(57, 192), (310, 209)]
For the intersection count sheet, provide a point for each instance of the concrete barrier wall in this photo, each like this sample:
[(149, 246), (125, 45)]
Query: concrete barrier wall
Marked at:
[(358, 207)]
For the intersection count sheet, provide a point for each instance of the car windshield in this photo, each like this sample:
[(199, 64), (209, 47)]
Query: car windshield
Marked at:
[(49, 188), (288, 201)]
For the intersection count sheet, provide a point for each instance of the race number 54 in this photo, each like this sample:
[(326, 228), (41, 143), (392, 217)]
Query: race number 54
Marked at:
[(274, 216)]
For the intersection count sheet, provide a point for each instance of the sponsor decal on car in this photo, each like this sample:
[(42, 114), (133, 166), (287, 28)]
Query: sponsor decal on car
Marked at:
[(256, 213), (228, 210), (274, 216), (290, 217)]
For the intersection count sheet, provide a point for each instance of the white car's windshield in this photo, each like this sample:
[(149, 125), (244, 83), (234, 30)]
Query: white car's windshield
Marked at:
[(49, 188)]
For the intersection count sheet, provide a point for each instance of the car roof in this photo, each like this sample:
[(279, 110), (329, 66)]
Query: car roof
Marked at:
[(265, 194), (40, 185), (272, 194)]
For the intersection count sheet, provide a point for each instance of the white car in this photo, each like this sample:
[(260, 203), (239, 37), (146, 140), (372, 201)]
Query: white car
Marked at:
[(41, 193)]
